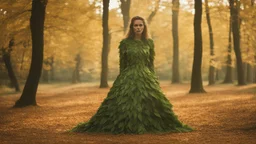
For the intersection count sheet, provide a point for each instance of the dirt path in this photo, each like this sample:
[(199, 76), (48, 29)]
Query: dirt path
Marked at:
[(226, 114)]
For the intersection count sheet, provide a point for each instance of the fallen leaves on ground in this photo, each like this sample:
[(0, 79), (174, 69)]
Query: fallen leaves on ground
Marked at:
[(225, 114)]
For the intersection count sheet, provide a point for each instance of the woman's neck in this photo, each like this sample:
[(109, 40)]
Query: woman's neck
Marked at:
[(137, 37)]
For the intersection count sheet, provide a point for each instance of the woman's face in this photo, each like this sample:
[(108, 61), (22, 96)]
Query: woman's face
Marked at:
[(138, 27)]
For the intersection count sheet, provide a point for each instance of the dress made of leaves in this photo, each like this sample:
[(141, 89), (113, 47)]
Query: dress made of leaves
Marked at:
[(135, 104)]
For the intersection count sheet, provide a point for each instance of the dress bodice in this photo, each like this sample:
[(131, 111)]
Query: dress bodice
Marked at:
[(136, 54)]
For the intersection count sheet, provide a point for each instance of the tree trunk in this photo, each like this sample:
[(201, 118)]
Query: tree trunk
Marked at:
[(245, 70), (249, 77), (212, 71), (125, 9), (22, 61), (254, 71), (52, 74), (78, 65), (74, 76), (235, 72), (76, 73), (45, 75), (234, 12), (211, 78), (28, 96), (217, 75), (45, 70), (228, 76), (25, 45), (196, 79), (254, 74), (254, 45), (7, 61), (104, 57), (175, 35)]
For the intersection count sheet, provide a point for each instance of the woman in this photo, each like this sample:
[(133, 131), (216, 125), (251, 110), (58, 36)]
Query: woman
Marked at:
[(135, 104)]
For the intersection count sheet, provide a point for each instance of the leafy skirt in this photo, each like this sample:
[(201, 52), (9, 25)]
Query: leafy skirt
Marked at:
[(134, 105)]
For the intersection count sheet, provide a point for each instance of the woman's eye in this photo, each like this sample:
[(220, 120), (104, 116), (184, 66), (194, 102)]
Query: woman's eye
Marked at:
[(136, 25)]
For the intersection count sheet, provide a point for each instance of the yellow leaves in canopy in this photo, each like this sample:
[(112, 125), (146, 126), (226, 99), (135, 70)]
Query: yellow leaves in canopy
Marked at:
[(73, 27)]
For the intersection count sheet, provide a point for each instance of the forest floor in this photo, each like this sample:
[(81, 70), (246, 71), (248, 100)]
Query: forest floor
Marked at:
[(226, 114)]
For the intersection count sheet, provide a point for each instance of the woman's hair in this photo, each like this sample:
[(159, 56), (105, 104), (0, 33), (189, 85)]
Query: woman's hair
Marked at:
[(131, 33)]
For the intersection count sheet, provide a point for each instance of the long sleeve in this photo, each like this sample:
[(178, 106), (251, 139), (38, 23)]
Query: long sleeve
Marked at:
[(122, 56), (152, 56)]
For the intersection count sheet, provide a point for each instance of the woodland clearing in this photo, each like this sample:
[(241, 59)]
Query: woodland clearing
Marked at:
[(225, 114)]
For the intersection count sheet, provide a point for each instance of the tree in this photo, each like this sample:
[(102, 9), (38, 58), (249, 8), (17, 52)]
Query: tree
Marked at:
[(125, 9), (28, 96), (175, 35), (52, 75), (13, 22), (104, 57), (196, 79), (25, 46), (254, 45), (47, 72), (249, 76), (234, 12), (153, 13), (247, 32), (211, 68), (76, 73), (8, 64), (228, 76)]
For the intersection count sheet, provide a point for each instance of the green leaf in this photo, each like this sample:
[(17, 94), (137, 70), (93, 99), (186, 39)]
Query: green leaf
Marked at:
[(134, 113), (130, 126), (141, 130), (145, 93), (157, 114), (104, 120), (139, 108), (140, 117)]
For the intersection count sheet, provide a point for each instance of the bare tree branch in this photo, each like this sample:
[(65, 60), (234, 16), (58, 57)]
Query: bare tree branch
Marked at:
[(153, 13)]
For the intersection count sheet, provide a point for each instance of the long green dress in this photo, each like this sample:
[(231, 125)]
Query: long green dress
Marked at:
[(135, 104)]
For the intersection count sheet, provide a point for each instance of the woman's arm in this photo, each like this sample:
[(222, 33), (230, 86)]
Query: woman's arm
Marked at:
[(151, 56), (122, 56)]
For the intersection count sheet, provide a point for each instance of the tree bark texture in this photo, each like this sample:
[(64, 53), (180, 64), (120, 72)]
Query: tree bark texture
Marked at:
[(196, 79), (175, 35), (211, 78), (104, 57), (234, 12), (8, 64), (217, 74), (249, 75), (28, 96), (52, 74), (76, 74), (254, 71), (228, 76), (125, 9), (254, 45)]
